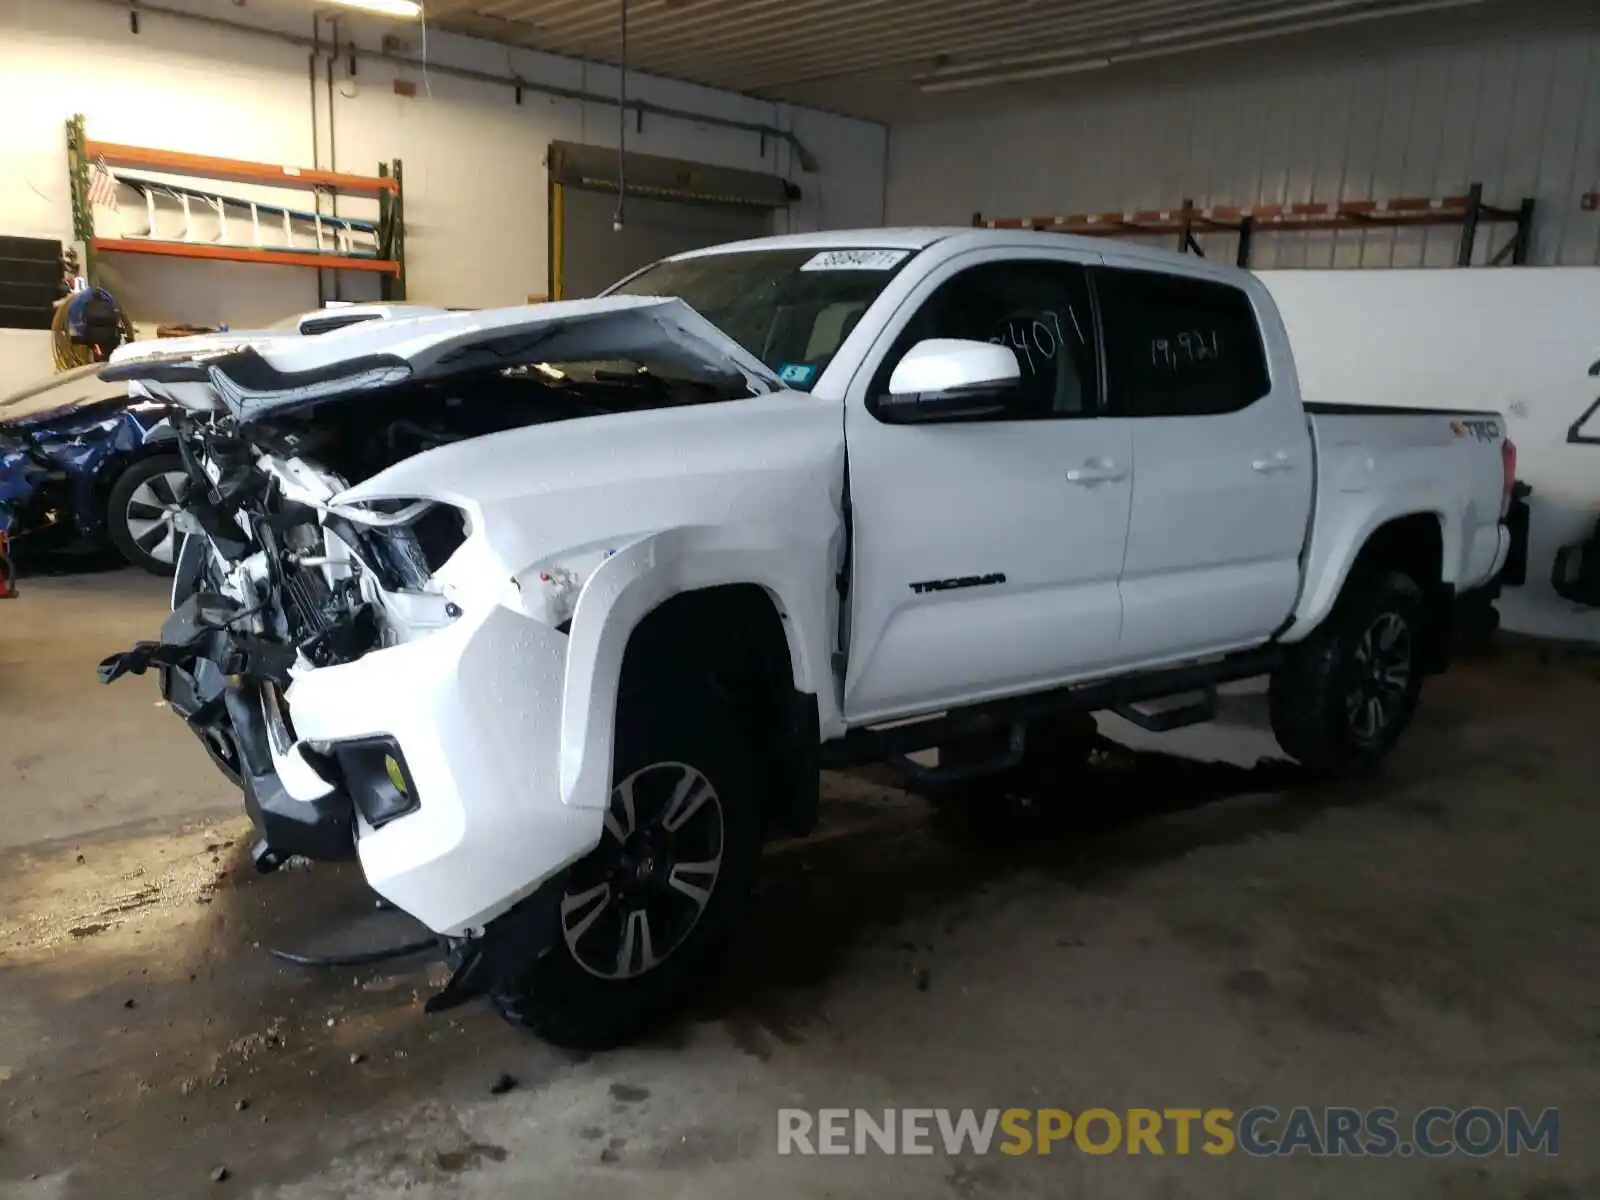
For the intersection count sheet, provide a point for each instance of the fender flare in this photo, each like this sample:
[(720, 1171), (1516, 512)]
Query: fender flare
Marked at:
[(635, 580), (1339, 550)]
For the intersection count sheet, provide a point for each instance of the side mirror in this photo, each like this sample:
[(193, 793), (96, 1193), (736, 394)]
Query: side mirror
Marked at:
[(950, 379)]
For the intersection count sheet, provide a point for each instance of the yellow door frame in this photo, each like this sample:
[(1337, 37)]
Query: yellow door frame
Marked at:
[(557, 237)]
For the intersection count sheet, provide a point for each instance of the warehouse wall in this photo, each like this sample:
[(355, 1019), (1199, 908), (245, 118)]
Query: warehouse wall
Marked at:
[(474, 174), (1511, 100), (1517, 342)]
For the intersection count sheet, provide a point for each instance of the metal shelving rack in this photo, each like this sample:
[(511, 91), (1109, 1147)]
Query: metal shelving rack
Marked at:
[(1468, 211), (386, 186)]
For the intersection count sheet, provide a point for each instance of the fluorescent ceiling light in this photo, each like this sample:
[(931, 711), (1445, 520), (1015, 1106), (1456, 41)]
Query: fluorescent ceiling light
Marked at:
[(406, 10), (1138, 41), (965, 83), (952, 82)]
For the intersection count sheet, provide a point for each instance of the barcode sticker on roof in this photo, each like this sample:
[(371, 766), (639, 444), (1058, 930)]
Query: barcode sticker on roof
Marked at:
[(855, 260)]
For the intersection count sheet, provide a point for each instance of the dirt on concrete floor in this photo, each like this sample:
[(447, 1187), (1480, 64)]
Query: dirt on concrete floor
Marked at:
[(1180, 933)]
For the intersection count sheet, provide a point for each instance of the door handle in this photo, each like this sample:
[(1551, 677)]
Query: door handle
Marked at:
[(1095, 471), (1278, 462)]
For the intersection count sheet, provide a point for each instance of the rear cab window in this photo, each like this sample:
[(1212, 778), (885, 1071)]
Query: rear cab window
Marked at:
[(1178, 346)]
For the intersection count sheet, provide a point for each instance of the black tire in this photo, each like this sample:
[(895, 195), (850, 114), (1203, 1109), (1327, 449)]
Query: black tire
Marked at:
[(1313, 701), (565, 1002), (133, 544)]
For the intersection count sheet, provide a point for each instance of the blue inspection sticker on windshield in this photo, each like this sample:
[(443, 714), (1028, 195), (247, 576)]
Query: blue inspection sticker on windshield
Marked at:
[(797, 374)]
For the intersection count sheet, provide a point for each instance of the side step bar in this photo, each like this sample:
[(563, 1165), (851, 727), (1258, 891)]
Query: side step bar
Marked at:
[(1164, 720), (869, 744)]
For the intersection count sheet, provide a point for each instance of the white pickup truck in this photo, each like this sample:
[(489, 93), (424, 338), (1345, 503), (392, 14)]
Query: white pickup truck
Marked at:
[(550, 614)]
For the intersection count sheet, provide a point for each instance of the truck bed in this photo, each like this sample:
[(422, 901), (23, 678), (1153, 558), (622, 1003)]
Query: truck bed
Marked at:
[(1374, 462)]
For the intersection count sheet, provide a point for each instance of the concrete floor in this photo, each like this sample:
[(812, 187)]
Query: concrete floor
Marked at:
[(1184, 936)]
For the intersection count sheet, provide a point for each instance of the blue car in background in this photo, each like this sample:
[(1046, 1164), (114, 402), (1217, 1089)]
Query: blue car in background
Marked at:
[(84, 465)]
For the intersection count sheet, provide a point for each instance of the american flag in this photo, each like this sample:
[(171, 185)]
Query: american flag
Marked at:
[(102, 185)]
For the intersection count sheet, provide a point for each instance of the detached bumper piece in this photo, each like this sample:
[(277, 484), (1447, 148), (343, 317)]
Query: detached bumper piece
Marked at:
[(321, 829), (213, 678), (508, 946)]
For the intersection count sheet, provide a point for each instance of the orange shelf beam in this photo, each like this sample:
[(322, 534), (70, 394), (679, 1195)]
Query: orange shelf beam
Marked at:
[(246, 254), (237, 169)]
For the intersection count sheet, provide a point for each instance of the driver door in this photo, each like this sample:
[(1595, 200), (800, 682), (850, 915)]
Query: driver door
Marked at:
[(986, 553)]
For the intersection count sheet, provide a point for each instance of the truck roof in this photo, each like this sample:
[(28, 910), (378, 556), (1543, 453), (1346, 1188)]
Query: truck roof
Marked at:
[(960, 237)]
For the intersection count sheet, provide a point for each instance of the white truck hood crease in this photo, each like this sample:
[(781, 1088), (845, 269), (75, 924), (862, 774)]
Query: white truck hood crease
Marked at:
[(255, 376)]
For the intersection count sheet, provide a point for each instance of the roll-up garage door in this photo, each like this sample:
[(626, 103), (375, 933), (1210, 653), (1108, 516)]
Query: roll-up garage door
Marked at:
[(671, 206)]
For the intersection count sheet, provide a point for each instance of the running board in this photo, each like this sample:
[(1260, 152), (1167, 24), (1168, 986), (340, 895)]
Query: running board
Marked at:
[(943, 776), (869, 744), (1176, 716)]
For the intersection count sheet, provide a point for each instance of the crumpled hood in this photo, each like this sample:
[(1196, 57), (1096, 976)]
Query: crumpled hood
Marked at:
[(252, 375)]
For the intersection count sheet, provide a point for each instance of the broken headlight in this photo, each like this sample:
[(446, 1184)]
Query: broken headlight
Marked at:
[(404, 542)]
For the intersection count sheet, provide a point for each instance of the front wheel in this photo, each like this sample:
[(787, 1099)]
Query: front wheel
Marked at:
[(1348, 691), (141, 516), (645, 915)]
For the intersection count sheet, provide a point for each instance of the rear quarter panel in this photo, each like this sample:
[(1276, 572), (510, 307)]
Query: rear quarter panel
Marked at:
[(1378, 467)]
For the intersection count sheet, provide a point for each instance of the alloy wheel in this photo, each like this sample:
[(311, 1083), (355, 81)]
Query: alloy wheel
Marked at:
[(636, 899), (152, 513), (1382, 671)]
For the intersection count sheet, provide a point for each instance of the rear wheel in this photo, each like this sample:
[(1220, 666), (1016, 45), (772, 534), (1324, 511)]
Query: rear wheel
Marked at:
[(141, 516), (645, 916), (1349, 690)]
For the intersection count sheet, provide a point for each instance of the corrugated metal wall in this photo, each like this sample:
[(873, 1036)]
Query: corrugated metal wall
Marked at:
[(1519, 113)]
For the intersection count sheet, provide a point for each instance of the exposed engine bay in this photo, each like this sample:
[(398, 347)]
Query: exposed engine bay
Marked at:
[(296, 580)]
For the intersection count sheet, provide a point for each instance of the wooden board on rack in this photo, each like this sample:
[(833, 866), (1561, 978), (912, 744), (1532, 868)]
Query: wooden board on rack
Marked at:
[(236, 169), (245, 254)]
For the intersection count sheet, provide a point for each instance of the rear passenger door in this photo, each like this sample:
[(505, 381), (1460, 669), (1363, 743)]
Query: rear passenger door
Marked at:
[(1222, 470)]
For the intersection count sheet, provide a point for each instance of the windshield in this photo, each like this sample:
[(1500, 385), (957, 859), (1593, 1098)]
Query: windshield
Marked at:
[(81, 385), (789, 308)]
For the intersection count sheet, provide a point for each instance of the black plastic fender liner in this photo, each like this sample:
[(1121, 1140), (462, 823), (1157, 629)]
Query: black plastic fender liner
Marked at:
[(509, 943), (364, 958), (199, 628), (800, 753), (188, 634)]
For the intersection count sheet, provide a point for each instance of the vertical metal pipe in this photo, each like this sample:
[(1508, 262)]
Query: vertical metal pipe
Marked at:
[(333, 148), (316, 140), (622, 125), (1469, 226)]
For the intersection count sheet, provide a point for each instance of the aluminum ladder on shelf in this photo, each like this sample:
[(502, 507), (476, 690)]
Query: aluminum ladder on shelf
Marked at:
[(313, 232)]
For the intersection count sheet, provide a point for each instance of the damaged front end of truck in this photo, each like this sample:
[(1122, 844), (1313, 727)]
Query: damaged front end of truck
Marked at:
[(369, 630)]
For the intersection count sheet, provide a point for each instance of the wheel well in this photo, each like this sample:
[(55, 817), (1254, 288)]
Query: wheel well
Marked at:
[(732, 637), (1414, 546)]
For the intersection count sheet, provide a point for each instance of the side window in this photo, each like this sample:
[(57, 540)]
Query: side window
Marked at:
[(1040, 310), (1178, 346)]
